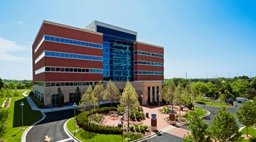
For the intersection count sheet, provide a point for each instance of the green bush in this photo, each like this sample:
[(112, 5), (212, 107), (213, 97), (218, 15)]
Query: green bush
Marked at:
[(36, 101), (16, 93), (133, 136), (137, 115), (3, 118), (96, 117), (165, 110), (83, 122), (139, 128)]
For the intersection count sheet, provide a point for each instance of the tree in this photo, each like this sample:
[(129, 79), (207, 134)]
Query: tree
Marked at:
[(168, 92), (99, 91), (186, 98), (89, 100), (247, 114), (198, 128), (199, 89), (89, 90), (224, 127), (253, 83), (177, 95), (3, 118), (129, 97), (1, 84), (212, 90), (240, 86), (78, 95), (112, 92)]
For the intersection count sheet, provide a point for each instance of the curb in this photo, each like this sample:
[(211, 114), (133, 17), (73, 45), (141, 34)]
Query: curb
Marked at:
[(24, 135), (69, 133), (241, 128)]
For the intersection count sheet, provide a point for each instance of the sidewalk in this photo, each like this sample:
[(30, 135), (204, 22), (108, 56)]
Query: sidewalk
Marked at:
[(44, 110)]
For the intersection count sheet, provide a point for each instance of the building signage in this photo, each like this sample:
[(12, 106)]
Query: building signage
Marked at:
[(115, 44)]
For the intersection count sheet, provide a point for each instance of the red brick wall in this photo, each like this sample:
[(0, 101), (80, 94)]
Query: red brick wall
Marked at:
[(48, 61), (67, 32), (49, 76), (151, 49), (67, 48)]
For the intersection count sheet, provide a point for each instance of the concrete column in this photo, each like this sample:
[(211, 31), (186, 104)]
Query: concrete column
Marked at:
[(151, 94)]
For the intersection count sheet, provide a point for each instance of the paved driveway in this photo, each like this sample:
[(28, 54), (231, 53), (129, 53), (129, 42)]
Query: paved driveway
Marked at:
[(165, 137), (51, 127)]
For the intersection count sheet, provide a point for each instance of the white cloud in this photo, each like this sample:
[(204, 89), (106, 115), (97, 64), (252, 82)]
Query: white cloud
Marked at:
[(8, 49), (19, 22)]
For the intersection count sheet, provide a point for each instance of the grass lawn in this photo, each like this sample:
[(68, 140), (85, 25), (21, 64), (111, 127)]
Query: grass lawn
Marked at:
[(251, 131), (210, 102), (1, 101), (199, 110), (93, 137), (14, 130)]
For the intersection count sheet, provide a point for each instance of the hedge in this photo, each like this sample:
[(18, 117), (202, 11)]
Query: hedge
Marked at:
[(84, 123), (36, 101)]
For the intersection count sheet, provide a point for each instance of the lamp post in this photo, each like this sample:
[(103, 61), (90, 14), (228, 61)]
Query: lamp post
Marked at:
[(22, 104), (75, 106), (159, 99), (122, 123)]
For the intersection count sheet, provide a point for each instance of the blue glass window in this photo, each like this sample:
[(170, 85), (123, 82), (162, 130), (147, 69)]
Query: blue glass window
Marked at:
[(72, 56)]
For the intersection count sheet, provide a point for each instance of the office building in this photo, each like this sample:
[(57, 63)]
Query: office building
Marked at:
[(68, 59)]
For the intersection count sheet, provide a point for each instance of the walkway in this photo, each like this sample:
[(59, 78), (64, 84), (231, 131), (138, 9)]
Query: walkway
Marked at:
[(44, 110), (51, 127), (169, 132)]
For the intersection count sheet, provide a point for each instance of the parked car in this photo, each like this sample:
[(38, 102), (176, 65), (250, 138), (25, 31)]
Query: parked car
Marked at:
[(241, 99)]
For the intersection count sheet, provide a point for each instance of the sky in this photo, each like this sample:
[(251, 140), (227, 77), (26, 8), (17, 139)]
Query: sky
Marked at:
[(203, 38)]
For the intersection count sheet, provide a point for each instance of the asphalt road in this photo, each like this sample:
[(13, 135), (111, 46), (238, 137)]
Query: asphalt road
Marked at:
[(165, 137), (213, 111), (51, 126)]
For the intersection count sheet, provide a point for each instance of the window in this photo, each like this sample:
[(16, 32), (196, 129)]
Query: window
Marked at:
[(52, 69), (47, 69), (72, 56)]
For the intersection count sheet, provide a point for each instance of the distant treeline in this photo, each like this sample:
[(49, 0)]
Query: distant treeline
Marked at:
[(15, 84), (241, 86)]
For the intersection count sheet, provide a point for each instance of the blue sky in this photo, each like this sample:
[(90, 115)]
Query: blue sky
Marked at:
[(205, 38)]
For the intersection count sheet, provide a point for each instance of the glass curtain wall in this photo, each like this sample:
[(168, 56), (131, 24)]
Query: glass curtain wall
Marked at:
[(117, 54)]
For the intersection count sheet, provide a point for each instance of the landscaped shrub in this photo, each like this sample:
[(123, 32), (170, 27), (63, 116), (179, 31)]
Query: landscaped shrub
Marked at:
[(3, 118), (137, 115), (83, 122), (133, 136), (165, 110), (96, 117), (36, 101), (139, 128)]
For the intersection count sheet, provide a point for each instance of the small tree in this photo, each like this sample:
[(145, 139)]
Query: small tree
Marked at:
[(177, 97), (168, 93), (99, 91), (3, 118), (198, 128), (247, 114), (89, 100), (224, 127), (129, 97), (88, 90), (78, 95), (1, 83), (111, 92)]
